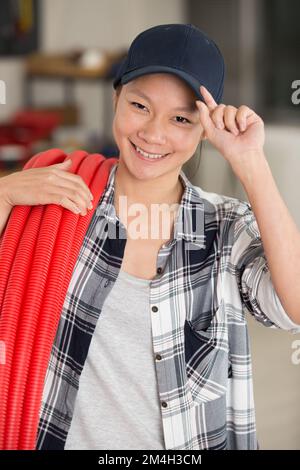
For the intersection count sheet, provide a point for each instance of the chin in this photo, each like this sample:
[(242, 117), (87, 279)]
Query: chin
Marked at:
[(139, 172)]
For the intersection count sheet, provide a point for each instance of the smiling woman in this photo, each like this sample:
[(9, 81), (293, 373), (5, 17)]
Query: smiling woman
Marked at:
[(154, 142), (154, 127), (152, 347)]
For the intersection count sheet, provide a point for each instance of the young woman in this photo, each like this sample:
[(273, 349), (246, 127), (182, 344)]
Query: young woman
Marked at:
[(152, 348)]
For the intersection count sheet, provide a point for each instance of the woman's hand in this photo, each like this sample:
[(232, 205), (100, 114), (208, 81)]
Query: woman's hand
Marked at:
[(238, 133), (46, 185)]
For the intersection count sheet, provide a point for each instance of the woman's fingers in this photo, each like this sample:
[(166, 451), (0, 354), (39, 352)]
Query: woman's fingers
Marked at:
[(235, 120), (225, 117), (229, 119), (70, 188), (75, 181), (217, 116), (208, 98), (69, 202), (241, 116), (46, 185), (71, 177), (71, 191)]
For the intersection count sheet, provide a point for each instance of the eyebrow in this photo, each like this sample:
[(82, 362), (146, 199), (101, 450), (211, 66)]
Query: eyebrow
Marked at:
[(191, 109)]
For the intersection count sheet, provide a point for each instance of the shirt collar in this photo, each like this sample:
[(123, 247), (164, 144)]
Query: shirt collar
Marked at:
[(189, 223)]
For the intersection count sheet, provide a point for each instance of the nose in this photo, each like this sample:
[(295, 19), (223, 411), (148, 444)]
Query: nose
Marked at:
[(153, 133)]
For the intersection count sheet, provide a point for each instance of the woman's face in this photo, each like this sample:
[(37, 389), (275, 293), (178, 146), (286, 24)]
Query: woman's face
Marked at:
[(148, 114)]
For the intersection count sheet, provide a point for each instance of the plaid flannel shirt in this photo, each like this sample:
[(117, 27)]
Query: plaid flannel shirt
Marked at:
[(211, 273)]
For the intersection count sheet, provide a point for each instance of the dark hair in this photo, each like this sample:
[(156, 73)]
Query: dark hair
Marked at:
[(118, 89)]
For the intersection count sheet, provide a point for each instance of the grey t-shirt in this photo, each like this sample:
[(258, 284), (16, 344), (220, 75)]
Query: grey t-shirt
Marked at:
[(117, 405)]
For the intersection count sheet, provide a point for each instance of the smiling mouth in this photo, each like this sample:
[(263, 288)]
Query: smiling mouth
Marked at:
[(145, 157)]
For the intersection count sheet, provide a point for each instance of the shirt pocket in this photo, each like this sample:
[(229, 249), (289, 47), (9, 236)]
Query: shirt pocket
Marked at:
[(207, 360)]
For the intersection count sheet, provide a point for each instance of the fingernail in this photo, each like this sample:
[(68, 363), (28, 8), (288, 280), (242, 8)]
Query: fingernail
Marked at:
[(90, 206), (91, 196)]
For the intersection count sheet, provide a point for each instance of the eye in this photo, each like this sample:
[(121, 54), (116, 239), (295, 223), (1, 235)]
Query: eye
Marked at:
[(138, 104), (181, 117)]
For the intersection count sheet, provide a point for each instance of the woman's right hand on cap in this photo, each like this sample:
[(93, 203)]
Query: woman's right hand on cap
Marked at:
[(52, 184)]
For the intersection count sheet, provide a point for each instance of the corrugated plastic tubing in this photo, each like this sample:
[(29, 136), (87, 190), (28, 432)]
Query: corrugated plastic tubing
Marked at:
[(38, 251)]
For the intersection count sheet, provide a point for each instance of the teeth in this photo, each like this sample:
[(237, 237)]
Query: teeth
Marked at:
[(147, 155)]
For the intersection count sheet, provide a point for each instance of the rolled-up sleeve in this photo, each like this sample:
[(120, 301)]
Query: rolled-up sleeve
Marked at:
[(253, 275)]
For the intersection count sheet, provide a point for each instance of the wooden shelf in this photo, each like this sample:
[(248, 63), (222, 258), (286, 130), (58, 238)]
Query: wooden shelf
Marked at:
[(63, 66)]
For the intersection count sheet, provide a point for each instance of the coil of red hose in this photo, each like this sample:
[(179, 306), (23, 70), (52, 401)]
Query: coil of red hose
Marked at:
[(38, 251)]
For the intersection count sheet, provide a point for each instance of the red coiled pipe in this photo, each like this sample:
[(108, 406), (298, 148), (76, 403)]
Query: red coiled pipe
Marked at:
[(38, 252)]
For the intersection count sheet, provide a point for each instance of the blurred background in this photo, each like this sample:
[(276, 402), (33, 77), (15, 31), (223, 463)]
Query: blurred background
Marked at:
[(57, 63)]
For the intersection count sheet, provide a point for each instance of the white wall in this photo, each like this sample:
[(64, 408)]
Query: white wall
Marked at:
[(109, 23)]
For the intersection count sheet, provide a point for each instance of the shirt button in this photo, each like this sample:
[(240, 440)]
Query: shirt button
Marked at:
[(164, 404), (158, 357), (159, 270), (154, 308)]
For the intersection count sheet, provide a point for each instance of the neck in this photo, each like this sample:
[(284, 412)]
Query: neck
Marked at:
[(167, 189)]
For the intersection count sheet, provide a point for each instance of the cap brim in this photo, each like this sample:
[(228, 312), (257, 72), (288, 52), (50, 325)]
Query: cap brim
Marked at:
[(190, 81)]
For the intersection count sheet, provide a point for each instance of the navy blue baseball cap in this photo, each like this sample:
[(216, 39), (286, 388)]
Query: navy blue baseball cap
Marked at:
[(181, 49)]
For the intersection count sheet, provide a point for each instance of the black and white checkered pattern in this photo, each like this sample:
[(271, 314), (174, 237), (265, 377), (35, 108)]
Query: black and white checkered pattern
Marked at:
[(211, 275)]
